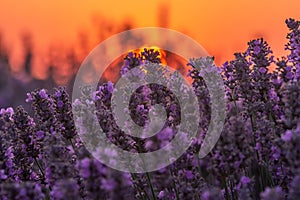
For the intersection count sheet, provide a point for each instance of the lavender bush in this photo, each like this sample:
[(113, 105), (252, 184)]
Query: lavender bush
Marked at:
[(256, 157)]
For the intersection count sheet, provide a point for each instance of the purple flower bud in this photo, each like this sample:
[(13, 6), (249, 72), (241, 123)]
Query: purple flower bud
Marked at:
[(58, 93), (165, 134), (262, 70), (40, 134), (245, 180), (108, 184), (287, 136), (2, 111), (29, 98), (110, 87), (140, 108), (292, 24), (3, 176), (43, 94), (189, 174), (288, 68), (272, 194), (173, 108), (9, 152), (161, 194), (257, 146), (77, 102), (60, 104), (9, 111), (289, 75), (256, 50), (94, 96), (85, 167), (9, 163)]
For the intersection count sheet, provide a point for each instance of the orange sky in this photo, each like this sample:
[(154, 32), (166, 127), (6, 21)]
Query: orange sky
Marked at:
[(222, 27)]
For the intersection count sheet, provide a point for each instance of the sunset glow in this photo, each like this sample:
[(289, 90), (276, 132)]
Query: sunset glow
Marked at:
[(221, 27)]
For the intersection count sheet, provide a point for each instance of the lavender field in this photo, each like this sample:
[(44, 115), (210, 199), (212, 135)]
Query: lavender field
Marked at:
[(42, 155)]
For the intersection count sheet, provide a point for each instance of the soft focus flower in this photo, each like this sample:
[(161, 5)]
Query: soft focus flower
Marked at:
[(161, 194), (43, 94), (287, 136), (212, 194), (272, 194), (245, 180)]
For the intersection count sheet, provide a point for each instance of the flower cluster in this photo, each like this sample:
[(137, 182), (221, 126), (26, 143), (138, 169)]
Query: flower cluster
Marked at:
[(256, 157)]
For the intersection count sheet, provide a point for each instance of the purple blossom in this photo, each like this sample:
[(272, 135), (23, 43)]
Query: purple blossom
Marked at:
[(212, 194), (29, 98), (60, 104), (108, 184), (245, 180), (189, 174), (26, 191), (40, 134), (58, 93), (110, 87), (287, 136), (43, 94), (256, 50), (294, 191), (294, 47), (272, 194), (262, 70), (161, 194), (65, 189), (64, 113)]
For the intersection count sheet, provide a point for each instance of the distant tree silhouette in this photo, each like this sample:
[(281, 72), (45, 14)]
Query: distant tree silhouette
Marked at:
[(27, 42), (163, 15)]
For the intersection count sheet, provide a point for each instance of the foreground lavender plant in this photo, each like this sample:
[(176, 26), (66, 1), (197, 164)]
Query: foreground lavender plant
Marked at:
[(256, 157)]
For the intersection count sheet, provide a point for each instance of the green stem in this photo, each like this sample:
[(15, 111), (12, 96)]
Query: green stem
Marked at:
[(232, 96), (138, 189), (39, 166), (253, 125), (273, 124), (73, 146), (147, 174), (176, 191), (231, 188), (151, 186), (223, 179)]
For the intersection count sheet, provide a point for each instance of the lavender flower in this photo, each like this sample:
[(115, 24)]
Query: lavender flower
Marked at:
[(64, 113), (272, 194), (294, 192), (7, 134), (293, 47), (26, 191), (65, 189), (212, 194), (26, 149), (256, 157)]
